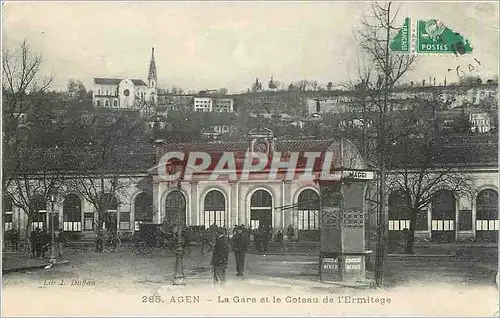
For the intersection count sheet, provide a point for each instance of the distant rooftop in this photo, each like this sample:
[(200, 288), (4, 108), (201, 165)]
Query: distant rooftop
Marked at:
[(116, 81)]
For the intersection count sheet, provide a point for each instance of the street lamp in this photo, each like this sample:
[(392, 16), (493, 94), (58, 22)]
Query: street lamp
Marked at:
[(179, 249), (52, 245)]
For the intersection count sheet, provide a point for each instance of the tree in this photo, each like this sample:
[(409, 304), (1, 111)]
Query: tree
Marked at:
[(101, 173), (419, 169), (461, 124), (273, 85), (35, 166), (469, 80), (329, 86), (223, 91), (21, 83), (373, 37), (76, 91), (257, 86)]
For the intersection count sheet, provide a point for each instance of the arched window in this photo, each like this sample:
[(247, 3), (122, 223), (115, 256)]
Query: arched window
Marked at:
[(443, 216), (72, 213), (175, 208), (115, 103), (399, 218), (8, 208), (107, 103), (98, 103), (40, 217), (487, 214), (215, 209), (308, 210), (261, 207), (143, 209)]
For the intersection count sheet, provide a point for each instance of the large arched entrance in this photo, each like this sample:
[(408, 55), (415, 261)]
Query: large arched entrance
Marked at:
[(72, 213), (261, 209), (175, 208), (143, 209), (487, 216), (443, 216), (308, 205), (214, 209)]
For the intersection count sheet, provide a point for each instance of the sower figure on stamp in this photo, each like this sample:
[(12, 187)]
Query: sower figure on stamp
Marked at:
[(240, 246), (220, 256)]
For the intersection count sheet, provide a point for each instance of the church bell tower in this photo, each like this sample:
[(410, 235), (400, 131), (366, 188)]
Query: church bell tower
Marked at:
[(152, 78)]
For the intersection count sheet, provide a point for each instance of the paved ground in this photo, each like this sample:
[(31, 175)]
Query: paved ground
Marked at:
[(115, 284)]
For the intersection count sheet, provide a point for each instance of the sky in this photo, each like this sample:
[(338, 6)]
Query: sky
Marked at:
[(210, 45)]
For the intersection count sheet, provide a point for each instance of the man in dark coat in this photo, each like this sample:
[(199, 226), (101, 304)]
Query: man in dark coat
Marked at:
[(266, 236), (60, 240), (220, 256), (240, 246), (35, 245)]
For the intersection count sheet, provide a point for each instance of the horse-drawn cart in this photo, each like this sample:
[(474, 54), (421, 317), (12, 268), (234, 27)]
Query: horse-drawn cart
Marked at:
[(150, 235)]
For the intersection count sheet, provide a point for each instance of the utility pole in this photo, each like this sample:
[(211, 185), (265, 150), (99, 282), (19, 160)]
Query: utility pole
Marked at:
[(52, 258)]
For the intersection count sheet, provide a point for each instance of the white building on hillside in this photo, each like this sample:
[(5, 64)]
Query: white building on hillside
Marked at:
[(213, 104), (126, 92)]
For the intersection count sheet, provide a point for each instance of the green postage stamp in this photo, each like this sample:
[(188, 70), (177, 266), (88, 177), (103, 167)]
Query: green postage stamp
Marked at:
[(430, 36)]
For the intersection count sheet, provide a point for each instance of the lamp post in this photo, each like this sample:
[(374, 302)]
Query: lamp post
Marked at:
[(179, 249), (52, 245)]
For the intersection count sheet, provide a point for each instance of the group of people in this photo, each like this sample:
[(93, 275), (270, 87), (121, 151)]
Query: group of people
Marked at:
[(239, 243), (261, 237), (12, 238), (40, 242)]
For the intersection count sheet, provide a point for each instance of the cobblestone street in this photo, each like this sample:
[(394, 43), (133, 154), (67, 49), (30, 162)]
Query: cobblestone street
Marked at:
[(115, 283)]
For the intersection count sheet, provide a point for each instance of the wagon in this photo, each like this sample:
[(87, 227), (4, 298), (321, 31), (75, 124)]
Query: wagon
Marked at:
[(150, 235)]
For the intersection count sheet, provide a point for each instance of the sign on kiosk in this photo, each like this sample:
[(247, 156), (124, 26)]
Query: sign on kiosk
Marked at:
[(355, 174)]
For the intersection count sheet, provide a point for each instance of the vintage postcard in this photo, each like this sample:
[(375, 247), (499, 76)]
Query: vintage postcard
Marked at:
[(249, 158)]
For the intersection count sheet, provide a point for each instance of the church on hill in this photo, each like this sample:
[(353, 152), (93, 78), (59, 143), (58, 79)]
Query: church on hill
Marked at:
[(127, 93)]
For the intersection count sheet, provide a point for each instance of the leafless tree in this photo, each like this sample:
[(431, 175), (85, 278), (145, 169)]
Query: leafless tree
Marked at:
[(38, 176), (22, 84), (418, 169), (379, 72), (101, 175)]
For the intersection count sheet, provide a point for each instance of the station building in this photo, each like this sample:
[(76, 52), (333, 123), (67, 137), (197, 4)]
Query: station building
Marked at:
[(279, 202)]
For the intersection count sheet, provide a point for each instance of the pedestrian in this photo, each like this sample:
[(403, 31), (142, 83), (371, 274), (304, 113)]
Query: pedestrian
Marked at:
[(266, 233), (165, 226), (99, 241), (279, 237), (35, 238), (290, 232), (44, 241), (60, 240), (240, 246), (15, 240), (220, 256), (257, 236)]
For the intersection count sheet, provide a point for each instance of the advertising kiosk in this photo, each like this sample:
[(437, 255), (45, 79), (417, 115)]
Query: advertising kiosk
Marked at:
[(342, 224)]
